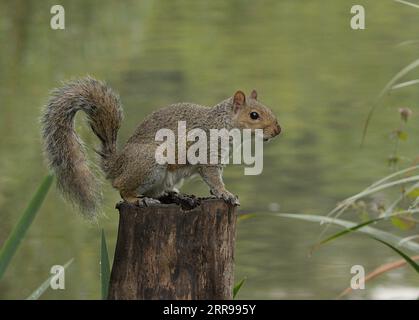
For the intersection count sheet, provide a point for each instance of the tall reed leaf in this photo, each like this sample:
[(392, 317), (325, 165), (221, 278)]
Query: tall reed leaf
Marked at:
[(104, 267), (46, 284), (12, 243)]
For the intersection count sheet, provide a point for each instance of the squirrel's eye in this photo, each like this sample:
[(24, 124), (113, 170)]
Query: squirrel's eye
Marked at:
[(254, 115)]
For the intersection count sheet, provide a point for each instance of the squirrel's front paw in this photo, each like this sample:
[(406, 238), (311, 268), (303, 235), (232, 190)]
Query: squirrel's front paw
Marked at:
[(227, 196)]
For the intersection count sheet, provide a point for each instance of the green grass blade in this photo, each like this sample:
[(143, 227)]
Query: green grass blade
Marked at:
[(378, 184), (402, 254), (405, 84), (345, 204), (399, 75), (414, 5), (352, 229), (12, 243), (104, 267), (246, 216), (400, 198), (393, 175), (46, 284), (416, 236), (363, 224), (367, 123), (237, 287), (381, 187), (387, 88), (407, 42), (391, 238)]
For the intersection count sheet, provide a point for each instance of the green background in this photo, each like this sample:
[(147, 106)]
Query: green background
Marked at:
[(317, 74)]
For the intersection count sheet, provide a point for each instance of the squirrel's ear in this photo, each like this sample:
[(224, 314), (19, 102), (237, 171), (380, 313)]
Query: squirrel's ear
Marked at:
[(254, 94), (239, 100)]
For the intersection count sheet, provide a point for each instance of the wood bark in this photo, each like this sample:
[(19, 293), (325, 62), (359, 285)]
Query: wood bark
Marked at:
[(166, 252)]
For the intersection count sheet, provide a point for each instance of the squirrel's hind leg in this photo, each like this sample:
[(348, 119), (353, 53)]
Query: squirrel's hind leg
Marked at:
[(141, 175), (134, 198), (129, 196)]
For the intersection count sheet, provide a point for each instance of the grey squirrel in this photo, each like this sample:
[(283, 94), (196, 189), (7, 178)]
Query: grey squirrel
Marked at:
[(133, 170)]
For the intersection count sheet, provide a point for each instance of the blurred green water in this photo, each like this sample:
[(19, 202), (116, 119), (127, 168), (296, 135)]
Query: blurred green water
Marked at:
[(317, 74)]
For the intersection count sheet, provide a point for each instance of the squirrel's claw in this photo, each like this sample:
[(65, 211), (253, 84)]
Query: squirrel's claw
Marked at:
[(234, 200), (227, 196)]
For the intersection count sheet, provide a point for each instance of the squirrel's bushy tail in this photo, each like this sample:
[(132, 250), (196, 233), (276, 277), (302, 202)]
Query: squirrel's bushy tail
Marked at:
[(64, 149)]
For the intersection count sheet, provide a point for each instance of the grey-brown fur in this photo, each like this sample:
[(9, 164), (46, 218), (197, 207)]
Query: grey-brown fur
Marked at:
[(64, 149), (134, 170)]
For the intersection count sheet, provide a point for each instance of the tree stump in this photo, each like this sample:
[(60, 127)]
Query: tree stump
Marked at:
[(174, 251)]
